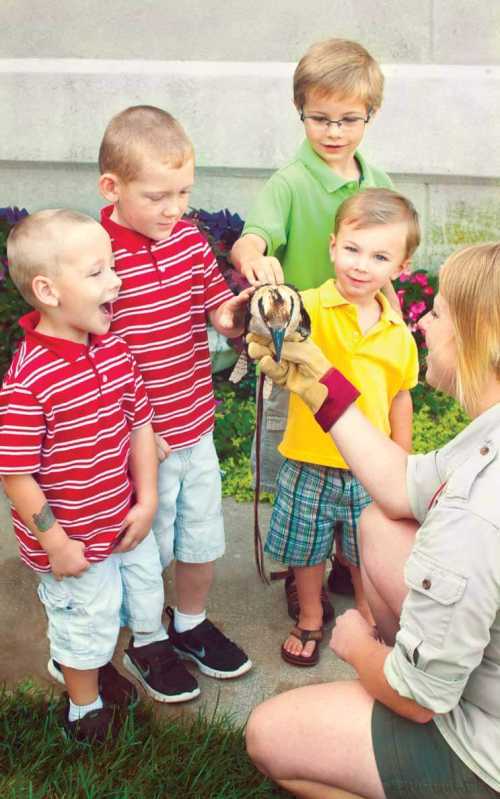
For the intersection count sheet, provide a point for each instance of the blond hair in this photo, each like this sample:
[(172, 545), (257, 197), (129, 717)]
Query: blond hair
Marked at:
[(469, 281), (34, 246), (380, 207), (138, 132), (342, 68)]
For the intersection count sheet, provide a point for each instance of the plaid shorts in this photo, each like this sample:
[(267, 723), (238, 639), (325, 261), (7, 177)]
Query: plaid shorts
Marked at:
[(310, 500)]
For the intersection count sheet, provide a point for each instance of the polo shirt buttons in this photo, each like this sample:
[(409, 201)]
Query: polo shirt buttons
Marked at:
[(426, 583), (484, 450), (104, 378)]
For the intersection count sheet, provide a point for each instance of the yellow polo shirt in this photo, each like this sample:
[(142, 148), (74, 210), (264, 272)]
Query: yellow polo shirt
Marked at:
[(380, 363)]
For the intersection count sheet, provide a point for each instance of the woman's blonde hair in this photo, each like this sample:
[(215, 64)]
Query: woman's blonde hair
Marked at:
[(469, 281), (342, 68)]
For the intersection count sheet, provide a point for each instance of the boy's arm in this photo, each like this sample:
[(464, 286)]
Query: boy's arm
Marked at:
[(249, 258), (66, 555), (392, 297), (400, 419), (229, 318), (143, 468)]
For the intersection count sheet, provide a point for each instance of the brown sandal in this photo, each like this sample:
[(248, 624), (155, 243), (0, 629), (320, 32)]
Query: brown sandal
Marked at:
[(292, 601), (303, 636)]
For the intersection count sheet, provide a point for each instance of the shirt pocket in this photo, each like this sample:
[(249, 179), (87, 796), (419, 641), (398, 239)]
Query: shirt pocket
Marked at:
[(434, 594)]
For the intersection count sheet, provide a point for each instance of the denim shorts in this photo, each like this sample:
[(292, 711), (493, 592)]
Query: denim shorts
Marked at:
[(415, 762), (188, 524), (84, 612), (274, 417), (310, 500)]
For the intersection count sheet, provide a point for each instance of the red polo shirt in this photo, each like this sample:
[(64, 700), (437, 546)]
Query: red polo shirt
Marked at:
[(66, 412), (168, 288)]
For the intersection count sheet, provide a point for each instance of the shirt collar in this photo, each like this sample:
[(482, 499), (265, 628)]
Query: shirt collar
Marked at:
[(131, 240), (322, 172), (330, 297), (64, 348)]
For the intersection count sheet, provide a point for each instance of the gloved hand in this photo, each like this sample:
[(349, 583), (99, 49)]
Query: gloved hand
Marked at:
[(304, 370), (300, 368)]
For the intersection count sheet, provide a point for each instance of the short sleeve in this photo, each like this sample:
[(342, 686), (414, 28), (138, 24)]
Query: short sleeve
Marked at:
[(22, 430), (270, 214), (216, 290), (136, 404), (410, 377)]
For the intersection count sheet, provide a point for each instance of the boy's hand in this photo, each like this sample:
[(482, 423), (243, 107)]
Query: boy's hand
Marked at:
[(67, 559), (162, 448), (229, 318), (135, 527), (263, 269)]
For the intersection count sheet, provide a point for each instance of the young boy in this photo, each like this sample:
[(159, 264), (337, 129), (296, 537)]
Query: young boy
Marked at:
[(337, 91), (170, 284), (78, 461), (375, 234)]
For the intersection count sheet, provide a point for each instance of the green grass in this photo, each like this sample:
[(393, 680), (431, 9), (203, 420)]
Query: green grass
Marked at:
[(186, 757)]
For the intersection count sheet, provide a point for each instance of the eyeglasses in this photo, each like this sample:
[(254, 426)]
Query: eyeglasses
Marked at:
[(349, 122)]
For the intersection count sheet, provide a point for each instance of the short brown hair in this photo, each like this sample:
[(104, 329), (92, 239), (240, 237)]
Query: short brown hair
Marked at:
[(469, 281), (35, 243), (340, 67), (139, 131), (380, 207)]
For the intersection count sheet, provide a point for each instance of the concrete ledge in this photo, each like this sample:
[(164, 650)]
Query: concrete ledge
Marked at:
[(437, 119)]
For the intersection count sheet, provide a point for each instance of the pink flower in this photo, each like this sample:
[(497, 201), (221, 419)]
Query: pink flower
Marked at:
[(401, 296), (428, 290), (404, 277), (421, 279), (415, 310)]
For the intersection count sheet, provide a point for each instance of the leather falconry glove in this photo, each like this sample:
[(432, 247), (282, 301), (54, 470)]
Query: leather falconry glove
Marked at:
[(304, 370)]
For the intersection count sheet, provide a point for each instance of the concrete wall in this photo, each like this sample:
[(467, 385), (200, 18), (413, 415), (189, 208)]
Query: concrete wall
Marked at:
[(66, 68)]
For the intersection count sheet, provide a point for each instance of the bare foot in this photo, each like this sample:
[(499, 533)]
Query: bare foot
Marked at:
[(294, 646)]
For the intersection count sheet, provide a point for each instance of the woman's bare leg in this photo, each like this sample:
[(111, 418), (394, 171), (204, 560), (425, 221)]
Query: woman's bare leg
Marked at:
[(317, 738), (385, 546)]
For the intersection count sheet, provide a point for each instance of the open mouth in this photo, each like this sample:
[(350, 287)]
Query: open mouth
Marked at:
[(106, 309)]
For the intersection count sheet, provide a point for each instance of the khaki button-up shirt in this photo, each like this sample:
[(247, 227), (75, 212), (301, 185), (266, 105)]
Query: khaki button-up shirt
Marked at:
[(447, 652)]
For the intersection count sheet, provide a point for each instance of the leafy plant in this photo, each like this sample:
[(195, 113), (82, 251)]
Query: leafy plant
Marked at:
[(12, 305)]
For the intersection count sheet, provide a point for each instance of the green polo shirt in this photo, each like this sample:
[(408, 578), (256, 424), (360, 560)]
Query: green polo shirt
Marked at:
[(295, 211)]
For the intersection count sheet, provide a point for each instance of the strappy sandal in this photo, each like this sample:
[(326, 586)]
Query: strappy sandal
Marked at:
[(303, 636), (292, 601)]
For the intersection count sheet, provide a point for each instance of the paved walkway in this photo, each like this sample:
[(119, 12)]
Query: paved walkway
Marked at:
[(248, 611)]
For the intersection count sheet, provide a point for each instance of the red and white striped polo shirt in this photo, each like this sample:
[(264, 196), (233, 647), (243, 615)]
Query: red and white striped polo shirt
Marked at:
[(66, 413), (168, 288)]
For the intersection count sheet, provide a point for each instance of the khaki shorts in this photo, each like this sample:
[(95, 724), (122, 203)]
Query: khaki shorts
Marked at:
[(415, 762)]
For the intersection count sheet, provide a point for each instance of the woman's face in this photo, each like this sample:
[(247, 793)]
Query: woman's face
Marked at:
[(439, 333)]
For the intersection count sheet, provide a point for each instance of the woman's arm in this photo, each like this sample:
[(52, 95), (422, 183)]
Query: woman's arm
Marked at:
[(354, 642)]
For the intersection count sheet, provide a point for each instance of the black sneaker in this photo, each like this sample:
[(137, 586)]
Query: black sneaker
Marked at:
[(96, 727), (114, 689), (213, 653), (160, 672)]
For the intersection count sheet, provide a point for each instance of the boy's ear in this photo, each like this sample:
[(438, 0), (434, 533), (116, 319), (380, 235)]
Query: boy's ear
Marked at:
[(331, 246), (44, 290), (109, 187)]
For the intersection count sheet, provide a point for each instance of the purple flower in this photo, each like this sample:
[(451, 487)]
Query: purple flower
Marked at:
[(12, 214)]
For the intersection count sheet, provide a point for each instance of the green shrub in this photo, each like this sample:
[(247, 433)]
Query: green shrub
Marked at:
[(436, 423)]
